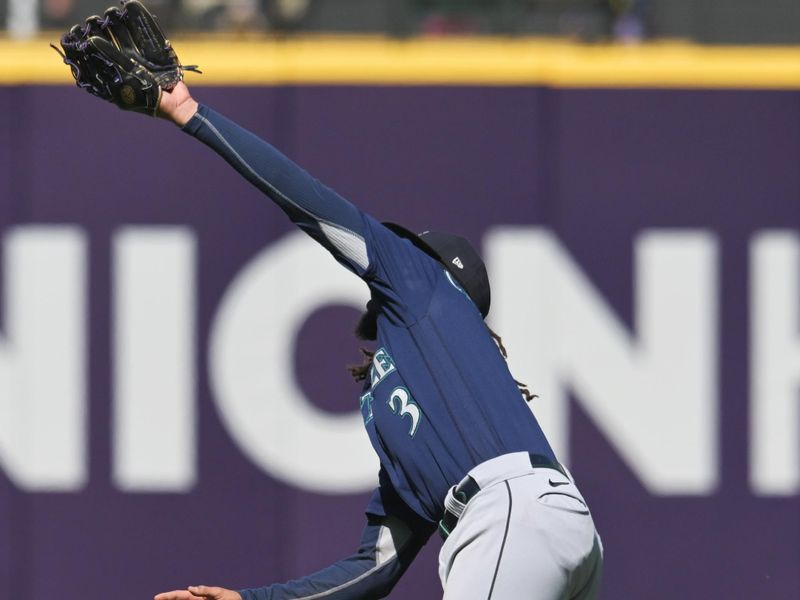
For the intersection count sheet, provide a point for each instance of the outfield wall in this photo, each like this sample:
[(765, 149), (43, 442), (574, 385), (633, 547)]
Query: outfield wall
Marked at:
[(643, 245)]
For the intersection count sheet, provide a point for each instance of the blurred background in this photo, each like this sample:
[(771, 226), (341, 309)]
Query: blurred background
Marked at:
[(705, 21), (174, 407)]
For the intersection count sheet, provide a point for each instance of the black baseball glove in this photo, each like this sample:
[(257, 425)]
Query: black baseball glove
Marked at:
[(123, 57)]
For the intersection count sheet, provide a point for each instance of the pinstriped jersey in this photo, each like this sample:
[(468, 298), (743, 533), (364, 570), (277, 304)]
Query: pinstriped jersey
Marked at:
[(439, 398)]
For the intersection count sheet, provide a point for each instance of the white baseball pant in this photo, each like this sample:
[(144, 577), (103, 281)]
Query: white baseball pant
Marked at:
[(526, 535)]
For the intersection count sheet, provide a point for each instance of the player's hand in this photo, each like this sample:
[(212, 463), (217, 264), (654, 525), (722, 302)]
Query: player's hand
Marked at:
[(177, 105), (200, 592)]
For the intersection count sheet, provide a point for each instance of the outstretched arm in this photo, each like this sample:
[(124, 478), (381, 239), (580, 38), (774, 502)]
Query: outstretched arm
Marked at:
[(388, 546), (315, 208)]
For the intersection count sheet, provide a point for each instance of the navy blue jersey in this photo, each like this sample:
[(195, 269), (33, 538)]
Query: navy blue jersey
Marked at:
[(439, 398)]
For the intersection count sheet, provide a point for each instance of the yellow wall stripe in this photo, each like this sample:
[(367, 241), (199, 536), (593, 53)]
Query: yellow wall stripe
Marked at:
[(468, 61)]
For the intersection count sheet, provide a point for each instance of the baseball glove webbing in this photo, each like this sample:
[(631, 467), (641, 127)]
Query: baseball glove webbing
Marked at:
[(123, 57)]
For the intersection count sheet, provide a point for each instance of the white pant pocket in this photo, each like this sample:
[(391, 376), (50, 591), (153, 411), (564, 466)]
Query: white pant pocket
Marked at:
[(565, 502)]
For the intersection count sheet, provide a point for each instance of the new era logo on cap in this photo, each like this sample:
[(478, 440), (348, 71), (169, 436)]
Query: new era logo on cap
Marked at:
[(457, 262)]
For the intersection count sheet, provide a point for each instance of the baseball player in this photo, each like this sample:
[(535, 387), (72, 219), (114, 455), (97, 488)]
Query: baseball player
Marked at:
[(460, 450)]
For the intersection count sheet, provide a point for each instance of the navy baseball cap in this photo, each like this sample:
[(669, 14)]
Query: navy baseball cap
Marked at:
[(460, 258)]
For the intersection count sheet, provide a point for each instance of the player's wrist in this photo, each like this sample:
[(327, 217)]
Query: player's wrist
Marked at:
[(184, 111), (177, 105)]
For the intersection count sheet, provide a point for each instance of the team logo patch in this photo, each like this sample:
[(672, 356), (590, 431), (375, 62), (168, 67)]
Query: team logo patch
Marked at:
[(127, 94)]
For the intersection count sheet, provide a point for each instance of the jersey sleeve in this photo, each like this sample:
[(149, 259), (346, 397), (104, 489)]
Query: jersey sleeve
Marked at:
[(389, 544), (401, 274), (318, 210)]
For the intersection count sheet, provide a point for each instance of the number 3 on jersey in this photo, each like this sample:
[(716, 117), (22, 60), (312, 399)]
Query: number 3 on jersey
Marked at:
[(401, 403)]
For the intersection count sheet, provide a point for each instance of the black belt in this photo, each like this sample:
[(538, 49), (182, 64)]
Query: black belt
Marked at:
[(468, 488)]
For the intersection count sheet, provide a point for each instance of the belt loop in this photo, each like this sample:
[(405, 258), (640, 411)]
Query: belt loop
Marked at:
[(453, 504), (539, 461)]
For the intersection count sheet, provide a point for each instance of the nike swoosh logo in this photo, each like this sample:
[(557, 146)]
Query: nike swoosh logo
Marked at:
[(557, 483)]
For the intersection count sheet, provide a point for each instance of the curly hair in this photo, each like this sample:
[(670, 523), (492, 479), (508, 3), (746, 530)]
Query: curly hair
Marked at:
[(360, 372), (523, 388)]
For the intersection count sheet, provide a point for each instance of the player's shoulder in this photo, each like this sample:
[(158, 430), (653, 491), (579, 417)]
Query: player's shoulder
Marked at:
[(396, 252)]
